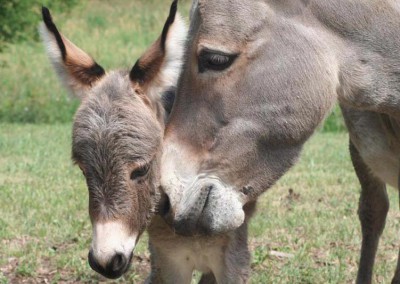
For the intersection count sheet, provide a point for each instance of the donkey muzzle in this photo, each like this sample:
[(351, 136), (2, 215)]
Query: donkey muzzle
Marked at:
[(208, 207), (117, 265), (112, 248)]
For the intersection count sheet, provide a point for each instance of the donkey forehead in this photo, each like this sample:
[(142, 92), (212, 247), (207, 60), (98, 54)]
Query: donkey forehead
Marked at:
[(229, 21), (115, 86), (134, 134), (113, 119), (114, 102)]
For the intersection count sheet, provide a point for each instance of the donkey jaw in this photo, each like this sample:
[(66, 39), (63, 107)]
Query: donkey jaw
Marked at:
[(112, 248)]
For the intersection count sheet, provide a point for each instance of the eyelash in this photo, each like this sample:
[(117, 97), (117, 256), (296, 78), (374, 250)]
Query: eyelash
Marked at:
[(214, 60), (139, 172)]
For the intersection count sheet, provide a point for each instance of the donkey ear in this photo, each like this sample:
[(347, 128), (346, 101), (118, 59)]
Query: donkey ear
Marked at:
[(158, 69), (77, 70)]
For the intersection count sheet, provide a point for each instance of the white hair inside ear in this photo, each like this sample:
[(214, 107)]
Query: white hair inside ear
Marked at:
[(174, 49), (171, 68)]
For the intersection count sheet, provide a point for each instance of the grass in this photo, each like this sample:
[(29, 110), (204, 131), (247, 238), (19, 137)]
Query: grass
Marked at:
[(310, 214), (114, 32)]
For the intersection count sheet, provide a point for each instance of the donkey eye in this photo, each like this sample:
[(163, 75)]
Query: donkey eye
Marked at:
[(215, 60), (139, 172)]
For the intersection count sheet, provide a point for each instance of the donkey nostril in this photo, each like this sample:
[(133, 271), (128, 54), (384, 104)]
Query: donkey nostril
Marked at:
[(118, 262), (115, 267), (165, 205)]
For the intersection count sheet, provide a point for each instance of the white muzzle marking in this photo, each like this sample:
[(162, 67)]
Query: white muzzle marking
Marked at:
[(111, 238)]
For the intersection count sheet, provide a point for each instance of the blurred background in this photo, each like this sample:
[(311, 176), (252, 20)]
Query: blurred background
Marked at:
[(305, 231), (113, 32)]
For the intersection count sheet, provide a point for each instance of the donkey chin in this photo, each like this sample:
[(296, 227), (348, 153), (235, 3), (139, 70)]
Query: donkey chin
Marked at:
[(112, 249), (207, 207)]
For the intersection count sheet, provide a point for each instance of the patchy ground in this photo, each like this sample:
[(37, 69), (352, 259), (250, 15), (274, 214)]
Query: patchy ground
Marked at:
[(305, 230)]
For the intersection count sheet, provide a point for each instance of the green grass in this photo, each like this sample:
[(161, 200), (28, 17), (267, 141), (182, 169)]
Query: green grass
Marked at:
[(45, 230), (334, 122), (115, 33)]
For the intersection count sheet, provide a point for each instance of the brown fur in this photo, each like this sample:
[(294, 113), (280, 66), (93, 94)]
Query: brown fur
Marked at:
[(151, 62), (110, 140), (116, 138)]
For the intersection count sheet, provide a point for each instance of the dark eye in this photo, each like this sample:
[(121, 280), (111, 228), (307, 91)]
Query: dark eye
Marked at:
[(139, 172), (215, 60)]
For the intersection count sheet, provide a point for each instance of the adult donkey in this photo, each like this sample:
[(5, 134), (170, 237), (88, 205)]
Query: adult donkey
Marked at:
[(260, 77), (117, 134)]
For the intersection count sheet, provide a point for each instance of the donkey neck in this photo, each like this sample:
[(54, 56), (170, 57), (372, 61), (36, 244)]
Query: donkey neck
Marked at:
[(366, 44), (362, 23)]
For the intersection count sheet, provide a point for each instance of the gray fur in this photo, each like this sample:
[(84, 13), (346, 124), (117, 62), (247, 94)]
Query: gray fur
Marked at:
[(245, 126), (117, 129), (114, 130)]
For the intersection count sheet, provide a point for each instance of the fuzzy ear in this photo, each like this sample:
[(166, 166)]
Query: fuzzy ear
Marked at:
[(158, 69), (76, 69)]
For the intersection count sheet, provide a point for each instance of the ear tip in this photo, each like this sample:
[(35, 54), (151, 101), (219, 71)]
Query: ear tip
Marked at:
[(174, 8), (47, 19), (169, 22)]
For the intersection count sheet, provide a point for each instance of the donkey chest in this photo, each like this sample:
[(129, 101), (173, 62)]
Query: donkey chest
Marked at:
[(200, 255), (205, 254)]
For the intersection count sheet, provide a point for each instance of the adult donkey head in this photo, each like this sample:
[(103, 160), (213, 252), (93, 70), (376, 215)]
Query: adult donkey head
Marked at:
[(117, 133), (256, 83)]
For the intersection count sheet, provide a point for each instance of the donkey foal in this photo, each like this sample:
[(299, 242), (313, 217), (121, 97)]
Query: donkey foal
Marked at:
[(117, 133)]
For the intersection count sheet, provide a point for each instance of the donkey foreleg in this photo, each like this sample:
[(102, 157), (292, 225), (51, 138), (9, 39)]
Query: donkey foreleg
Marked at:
[(372, 211), (166, 268), (396, 278), (234, 265)]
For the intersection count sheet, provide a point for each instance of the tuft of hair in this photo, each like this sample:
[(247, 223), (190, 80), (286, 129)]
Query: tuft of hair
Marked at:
[(174, 50), (175, 43)]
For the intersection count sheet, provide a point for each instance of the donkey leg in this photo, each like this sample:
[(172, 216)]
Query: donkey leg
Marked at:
[(396, 278), (372, 211), (166, 269), (234, 266), (167, 272)]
